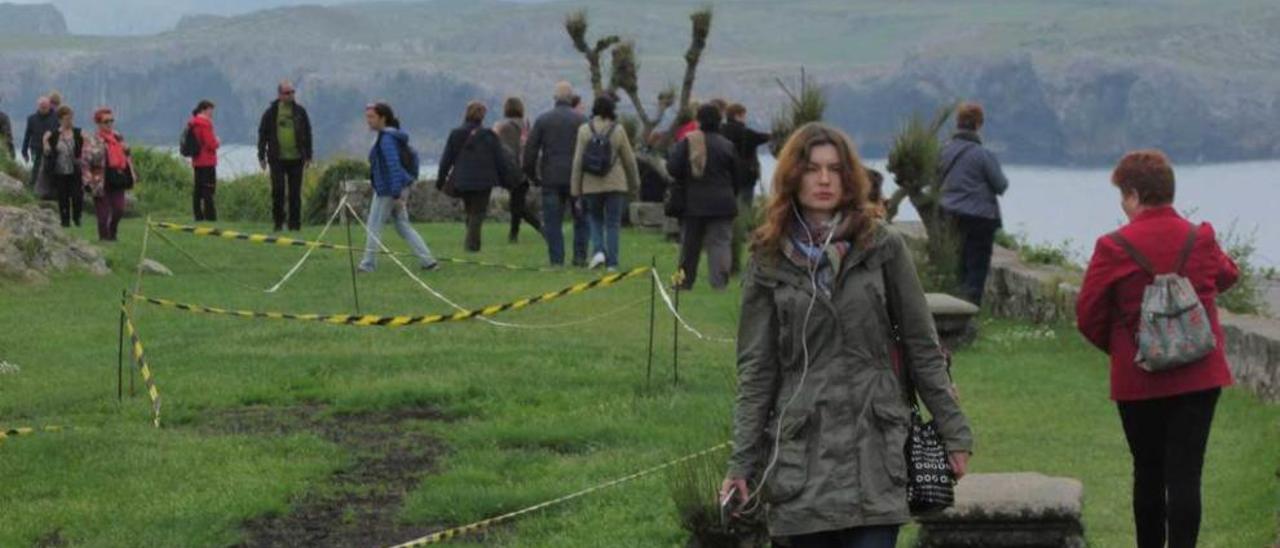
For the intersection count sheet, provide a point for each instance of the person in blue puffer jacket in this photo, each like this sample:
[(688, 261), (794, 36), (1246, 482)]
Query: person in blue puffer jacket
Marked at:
[(391, 181)]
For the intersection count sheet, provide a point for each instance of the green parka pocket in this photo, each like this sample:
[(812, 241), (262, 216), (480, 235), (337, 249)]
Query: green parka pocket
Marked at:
[(884, 464), (790, 471)]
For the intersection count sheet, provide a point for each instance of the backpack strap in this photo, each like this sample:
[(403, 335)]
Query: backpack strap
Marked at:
[(1186, 249), (1133, 253)]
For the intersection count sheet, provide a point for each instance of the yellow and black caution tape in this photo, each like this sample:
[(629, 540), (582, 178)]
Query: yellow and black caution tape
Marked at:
[(399, 321), (450, 534), (27, 431), (295, 242), (141, 360)]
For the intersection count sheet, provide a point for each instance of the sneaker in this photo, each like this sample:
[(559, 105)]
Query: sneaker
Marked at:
[(596, 260), (364, 269), (431, 267), (612, 270)]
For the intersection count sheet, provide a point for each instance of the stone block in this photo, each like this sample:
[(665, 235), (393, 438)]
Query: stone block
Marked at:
[(955, 319), (648, 215), (1009, 510), (154, 267)]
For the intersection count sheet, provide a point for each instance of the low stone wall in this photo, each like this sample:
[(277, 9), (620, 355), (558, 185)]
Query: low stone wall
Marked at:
[(426, 204)]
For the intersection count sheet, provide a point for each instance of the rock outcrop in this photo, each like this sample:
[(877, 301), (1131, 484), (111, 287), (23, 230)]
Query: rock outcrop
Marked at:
[(33, 245), (31, 20)]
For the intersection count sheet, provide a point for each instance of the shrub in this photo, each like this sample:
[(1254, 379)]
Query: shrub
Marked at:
[(315, 209), (163, 182), (1062, 254), (1246, 297), (245, 199)]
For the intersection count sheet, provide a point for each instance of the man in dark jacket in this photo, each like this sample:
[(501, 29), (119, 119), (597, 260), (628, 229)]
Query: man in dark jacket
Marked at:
[(284, 146), (971, 181), (704, 167), (41, 122), (745, 142), (548, 162), (6, 134)]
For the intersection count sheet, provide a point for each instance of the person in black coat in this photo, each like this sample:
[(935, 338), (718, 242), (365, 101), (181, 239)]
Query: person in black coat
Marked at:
[(39, 123), (477, 162), (284, 146), (62, 150), (704, 168)]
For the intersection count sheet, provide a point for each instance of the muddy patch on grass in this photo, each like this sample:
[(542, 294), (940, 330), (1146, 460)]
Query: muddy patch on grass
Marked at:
[(358, 505)]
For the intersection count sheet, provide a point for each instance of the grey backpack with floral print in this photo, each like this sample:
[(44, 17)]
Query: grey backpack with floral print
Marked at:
[(1174, 328)]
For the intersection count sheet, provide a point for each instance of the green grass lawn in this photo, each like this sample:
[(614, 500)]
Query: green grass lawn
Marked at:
[(532, 414)]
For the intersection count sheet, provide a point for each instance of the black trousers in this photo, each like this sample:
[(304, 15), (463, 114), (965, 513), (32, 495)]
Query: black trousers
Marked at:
[(715, 234), (206, 181), (882, 536), (476, 204), (978, 236), (70, 197), (520, 211), (286, 186), (1167, 437)]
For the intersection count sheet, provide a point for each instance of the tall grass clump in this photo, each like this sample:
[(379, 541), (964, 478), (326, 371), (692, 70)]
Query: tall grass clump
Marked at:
[(695, 486)]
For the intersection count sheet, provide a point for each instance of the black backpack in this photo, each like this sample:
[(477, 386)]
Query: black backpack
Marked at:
[(188, 143), (597, 158)]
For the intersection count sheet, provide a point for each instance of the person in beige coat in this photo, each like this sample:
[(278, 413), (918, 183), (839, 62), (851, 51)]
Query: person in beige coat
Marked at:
[(604, 171)]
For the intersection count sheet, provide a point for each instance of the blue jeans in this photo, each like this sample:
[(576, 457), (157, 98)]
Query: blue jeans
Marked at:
[(604, 215), (554, 203), (379, 210)]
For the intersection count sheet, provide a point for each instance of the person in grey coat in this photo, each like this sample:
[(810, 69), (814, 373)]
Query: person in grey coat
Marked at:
[(972, 181), (548, 162)]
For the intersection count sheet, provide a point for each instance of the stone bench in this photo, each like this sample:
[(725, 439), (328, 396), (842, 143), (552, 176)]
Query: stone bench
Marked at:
[(955, 319), (1025, 510)]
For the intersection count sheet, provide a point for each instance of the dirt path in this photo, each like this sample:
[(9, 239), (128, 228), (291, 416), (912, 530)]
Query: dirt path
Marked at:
[(359, 504)]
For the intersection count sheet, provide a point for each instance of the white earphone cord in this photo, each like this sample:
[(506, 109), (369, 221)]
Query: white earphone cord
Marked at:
[(752, 499)]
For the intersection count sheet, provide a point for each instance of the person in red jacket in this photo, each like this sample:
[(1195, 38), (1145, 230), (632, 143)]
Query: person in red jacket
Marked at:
[(205, 163), (1166, 415)]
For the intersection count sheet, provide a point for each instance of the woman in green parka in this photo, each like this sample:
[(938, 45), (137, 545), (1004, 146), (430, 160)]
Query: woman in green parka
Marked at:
[(820, 420)]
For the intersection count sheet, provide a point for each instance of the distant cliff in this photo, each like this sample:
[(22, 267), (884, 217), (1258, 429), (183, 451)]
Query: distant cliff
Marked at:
[(31, 20), (1088, 110)]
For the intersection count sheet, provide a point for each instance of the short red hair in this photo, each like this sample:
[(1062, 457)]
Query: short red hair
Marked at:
[(101, 113), (1147, 173), (969, 116)]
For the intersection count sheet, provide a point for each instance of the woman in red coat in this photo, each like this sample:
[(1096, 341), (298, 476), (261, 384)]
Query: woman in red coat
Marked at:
[(205, 162), (1167, 414)]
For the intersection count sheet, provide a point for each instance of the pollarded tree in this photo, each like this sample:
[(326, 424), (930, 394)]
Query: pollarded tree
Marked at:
[(625, 67), (913, 161)]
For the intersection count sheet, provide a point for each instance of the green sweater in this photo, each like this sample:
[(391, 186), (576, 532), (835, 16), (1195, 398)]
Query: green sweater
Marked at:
[(286, 134)]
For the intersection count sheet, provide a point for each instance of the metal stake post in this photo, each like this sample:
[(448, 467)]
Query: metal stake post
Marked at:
[(351, 258), (653, 300)]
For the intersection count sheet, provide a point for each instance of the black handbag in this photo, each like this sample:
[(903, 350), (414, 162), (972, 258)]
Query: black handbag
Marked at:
[(118, 179), (930, 481)]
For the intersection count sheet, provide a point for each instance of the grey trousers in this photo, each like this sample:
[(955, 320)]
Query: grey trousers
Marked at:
[(716, 235)]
